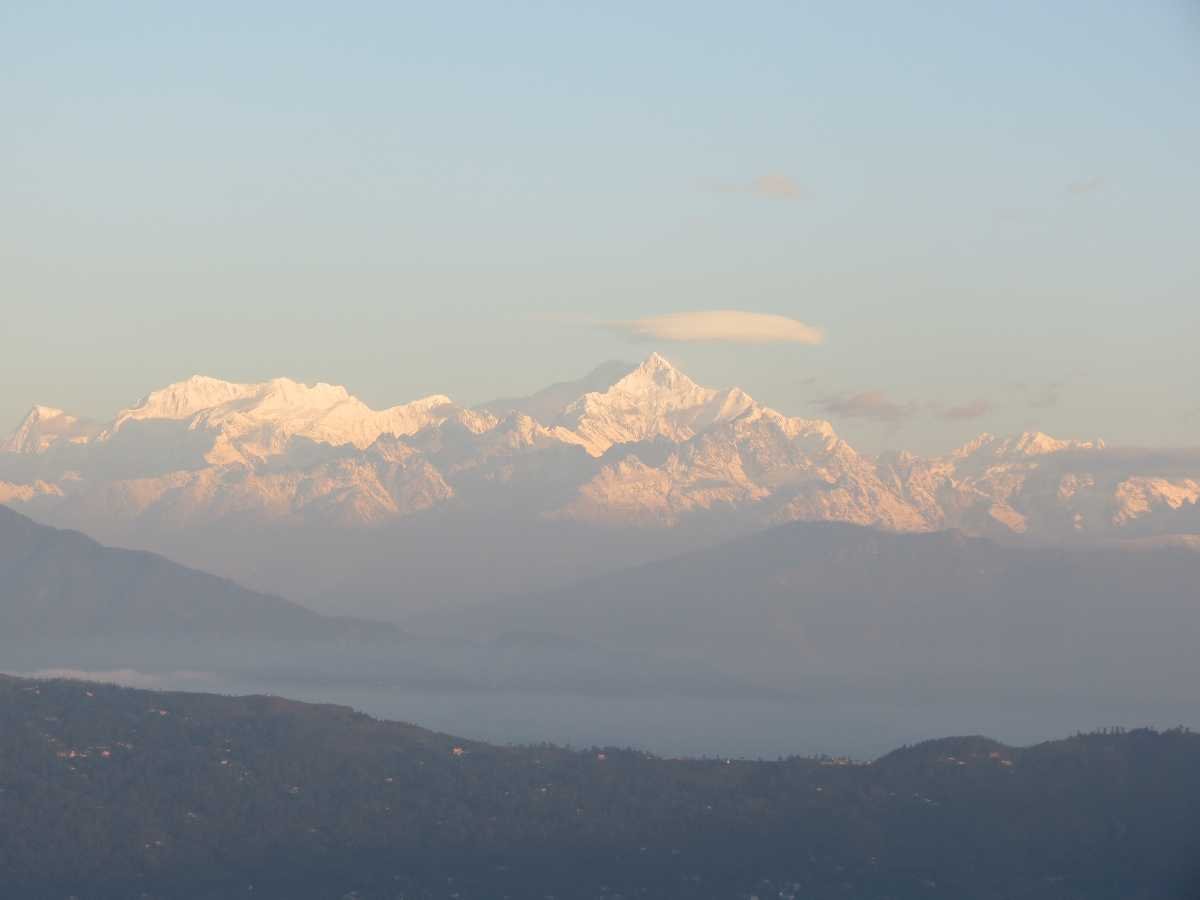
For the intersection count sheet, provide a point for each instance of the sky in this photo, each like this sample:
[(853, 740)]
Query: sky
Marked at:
[(976, 216)]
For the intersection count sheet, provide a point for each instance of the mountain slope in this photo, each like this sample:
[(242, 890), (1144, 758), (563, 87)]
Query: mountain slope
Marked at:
[(548, 404), (67, 602), (821, 603), (61, 584)]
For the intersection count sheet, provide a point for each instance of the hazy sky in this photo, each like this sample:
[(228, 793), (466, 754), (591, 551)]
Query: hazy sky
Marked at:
[(990, 210)]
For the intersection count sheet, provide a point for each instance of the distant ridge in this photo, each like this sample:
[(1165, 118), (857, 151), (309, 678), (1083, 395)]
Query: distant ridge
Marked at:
[(808, 604), (61, 584)]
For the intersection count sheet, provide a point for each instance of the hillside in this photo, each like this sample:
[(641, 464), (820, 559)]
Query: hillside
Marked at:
[(62, 584), (69, 603), (811, 605), (111, 793)]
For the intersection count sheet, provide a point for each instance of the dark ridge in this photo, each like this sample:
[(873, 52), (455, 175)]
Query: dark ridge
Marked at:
[(110, 792), (57, 583)]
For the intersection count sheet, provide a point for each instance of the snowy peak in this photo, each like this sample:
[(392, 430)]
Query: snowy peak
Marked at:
[(256, 421), (655, 373), (250, 421), (1036, 443), (43, 427), (654, 400), (433, 401), (1021, 446), (286, 394), (656, 387), (184, 399)]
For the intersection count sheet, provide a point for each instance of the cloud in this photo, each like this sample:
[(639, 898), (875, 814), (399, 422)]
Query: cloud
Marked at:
[(1041, 396), (1086, 185), (774, 185), (729, 326), (1125, 462), (869, 405), (972, 410)]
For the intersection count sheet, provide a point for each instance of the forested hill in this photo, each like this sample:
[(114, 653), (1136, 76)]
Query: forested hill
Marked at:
[(109, 792)]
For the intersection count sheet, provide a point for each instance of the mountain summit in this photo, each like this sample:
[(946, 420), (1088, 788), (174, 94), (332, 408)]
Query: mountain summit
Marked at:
[(654, 400), (43, 427), (256, 421)]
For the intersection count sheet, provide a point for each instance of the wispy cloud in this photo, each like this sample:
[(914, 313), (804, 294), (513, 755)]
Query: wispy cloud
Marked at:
[(721, 326), (1124, 462), (774, 185), (972, 410), (869, 405), (1041, 396), (1086, 185)]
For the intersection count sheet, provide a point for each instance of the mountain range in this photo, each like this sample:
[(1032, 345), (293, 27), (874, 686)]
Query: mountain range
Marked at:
[(507, 598), (307, 492), (641, 446)]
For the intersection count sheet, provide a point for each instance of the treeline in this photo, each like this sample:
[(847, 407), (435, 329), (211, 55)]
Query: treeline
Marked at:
[(115, 793)]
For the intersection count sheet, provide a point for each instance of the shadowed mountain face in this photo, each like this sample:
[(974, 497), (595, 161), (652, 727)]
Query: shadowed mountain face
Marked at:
[(123, 793), (61, 584), (69, 603), (548, 403), (802, 604)]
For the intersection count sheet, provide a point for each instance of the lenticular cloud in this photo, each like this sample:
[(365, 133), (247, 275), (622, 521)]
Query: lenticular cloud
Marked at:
[(723, 325)]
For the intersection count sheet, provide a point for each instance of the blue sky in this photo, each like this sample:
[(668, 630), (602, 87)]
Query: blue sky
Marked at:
[(987, 207)]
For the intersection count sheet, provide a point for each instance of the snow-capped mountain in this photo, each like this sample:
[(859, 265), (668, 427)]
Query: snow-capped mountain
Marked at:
[(639, 446), (44, 427), (257, 421), (654, 400)]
